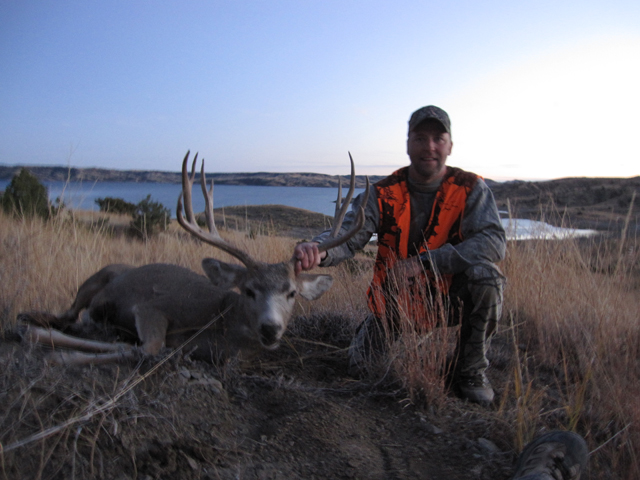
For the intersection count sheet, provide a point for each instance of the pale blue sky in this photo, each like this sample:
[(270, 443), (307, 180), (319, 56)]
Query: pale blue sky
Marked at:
[(535, 89)]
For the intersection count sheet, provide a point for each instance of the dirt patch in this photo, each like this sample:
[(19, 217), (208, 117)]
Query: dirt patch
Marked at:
[(277, 220), (293, 413)]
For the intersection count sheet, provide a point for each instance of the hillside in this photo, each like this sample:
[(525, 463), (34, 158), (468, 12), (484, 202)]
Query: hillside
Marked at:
[(600, 203)]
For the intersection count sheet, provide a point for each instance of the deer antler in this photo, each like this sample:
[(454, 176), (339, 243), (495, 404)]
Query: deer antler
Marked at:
[(212, 237), (341, 209)]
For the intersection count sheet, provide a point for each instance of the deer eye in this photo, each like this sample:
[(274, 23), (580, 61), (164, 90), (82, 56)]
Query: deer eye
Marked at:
[(291, 294), (249, 293)]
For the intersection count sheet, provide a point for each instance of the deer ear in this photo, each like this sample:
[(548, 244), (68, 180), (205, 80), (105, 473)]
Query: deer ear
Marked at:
[(313, 286), (223, 275)]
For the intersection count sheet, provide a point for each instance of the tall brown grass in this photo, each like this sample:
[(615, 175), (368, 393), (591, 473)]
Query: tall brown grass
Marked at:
[(415, 350), (576, 327), (569, 343)]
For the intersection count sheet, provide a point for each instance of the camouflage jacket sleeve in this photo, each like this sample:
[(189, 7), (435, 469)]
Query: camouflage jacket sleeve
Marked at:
[(360, 239), (484, 237)]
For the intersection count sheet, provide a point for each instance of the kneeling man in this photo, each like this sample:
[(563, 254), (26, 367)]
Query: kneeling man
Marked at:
[(438, 229)]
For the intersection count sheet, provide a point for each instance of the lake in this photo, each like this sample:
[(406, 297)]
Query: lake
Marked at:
[(83, 195), (322, 200)]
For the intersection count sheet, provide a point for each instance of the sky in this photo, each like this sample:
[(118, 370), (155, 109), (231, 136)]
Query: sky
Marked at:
[(535, 89)]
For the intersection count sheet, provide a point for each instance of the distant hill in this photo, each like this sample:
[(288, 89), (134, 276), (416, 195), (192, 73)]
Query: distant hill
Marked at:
[(601, 203), (61, 174)]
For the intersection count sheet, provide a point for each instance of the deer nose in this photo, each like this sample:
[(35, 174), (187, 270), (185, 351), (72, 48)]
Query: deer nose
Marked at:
[(269, 334)]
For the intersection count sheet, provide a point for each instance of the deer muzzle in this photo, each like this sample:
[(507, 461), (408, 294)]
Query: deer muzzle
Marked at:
[(270, 334)]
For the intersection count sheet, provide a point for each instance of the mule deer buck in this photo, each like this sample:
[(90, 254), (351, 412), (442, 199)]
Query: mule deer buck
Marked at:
[(247, 306)]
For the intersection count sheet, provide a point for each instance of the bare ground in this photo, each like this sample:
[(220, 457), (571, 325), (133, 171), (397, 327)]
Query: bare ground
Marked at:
[(292, 413)]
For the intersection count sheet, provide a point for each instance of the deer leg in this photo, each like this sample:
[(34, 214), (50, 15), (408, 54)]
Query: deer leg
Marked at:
[(87, 291), (44, 319), (82, 358), (56, 339), (151, 326)]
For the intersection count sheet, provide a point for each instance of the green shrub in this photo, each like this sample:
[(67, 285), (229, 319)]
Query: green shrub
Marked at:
[(115, 205), (26, 196), (150, 217)]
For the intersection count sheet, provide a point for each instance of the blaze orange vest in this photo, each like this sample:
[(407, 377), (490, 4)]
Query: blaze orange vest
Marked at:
[(444, 226)]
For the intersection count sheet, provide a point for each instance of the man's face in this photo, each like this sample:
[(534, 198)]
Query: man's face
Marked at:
[(428, 147)]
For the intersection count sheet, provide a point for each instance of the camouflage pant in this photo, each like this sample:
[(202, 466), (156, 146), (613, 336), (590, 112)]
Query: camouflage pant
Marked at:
[(479, 290), (476, 299)]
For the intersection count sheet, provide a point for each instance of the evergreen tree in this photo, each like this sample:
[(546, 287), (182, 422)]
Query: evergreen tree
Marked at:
[(26, 196)]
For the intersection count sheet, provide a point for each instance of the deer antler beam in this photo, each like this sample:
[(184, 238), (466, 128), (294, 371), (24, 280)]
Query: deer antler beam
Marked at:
[(190, 225), (341, 210)]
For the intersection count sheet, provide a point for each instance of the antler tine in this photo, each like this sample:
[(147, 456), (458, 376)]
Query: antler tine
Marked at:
[(341, 210), (187, 182), (190, 225), (208, 201), (343, 206)]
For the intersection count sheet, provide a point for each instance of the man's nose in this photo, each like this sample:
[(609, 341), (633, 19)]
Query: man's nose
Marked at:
[(430, 145)]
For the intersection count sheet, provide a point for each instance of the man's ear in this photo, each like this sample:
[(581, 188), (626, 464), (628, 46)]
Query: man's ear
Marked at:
[(223, 275), (312, 286)]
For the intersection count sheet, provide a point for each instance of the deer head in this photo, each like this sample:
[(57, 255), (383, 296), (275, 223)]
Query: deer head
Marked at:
[(267, 291)]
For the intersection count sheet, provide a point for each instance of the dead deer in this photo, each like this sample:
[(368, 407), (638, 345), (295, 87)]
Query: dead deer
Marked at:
[(247, 306)]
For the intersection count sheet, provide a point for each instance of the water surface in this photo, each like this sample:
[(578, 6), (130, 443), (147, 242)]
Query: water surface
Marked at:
[(83, 195)]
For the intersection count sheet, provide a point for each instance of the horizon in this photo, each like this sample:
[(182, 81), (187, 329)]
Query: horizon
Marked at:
[(535, 91), (177, 171)]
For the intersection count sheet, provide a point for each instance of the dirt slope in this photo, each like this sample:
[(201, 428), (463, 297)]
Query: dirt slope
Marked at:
[(294, 413)]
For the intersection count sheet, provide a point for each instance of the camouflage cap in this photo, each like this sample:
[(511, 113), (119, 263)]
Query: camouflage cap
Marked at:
[(427, 113)]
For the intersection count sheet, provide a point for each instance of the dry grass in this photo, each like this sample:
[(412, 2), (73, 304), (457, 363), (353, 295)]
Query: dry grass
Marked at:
[(417, 354), (567, 355), (577, 336)]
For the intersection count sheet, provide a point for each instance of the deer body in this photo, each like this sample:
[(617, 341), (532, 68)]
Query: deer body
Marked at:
[(163, 305)]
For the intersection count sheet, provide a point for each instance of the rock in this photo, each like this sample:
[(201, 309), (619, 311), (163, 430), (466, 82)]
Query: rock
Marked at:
[(431, 428), (192, 463), (488, 446)]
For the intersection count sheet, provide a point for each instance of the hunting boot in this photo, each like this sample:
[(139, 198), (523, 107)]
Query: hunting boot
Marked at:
[(556, 455), (476, 388), (478, 292)]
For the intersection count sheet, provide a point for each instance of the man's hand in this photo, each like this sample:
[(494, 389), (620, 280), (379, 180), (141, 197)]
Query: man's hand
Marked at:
[(307, 256)]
